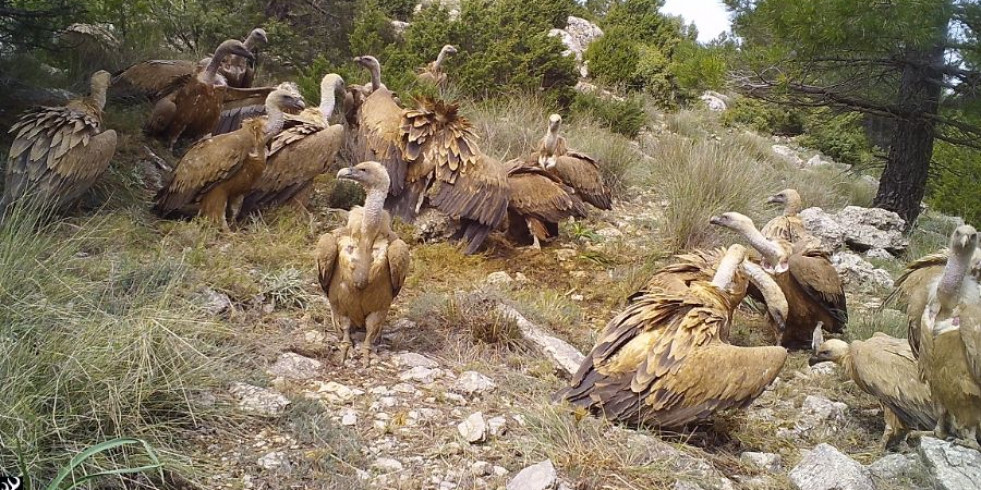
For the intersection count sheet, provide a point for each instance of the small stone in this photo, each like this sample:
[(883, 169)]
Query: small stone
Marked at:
[(295, 367), (895, 466), (259, 400), (216, 303), (499, 277), (472, 382), (823, 368), (610, 233), (421, 374), (826, 468), (474, 428), (788, 154), (541, 476), (565, 254), (480, 468), (386, 465), (388, 401), (577, 297), (878, 253), (335, 392), (314, 337), (497, 426), (764, 461), (404, 388), (412, 360), (818, 412), (349, 418), (520, 277), (274, 460)]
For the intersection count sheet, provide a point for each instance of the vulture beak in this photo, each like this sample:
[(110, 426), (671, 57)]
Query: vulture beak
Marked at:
[(716, 220), (776, 199), (346, 173), (297, 104), (779, 320), (816, 359), (243, 52)]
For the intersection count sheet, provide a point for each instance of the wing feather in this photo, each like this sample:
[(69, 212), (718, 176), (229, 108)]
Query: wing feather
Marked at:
[(582, 173), (206, 164), (325, 256), (819, 280), (398, 264), (885, 367)]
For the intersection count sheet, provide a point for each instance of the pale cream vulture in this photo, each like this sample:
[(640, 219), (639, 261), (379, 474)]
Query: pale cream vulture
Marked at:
[(538, 202), (789, 226), (433, 73), (215, 174), (885, 368), (430, 152), (59, 152), (950, 342), (362, 266), (665, 361), (574, 168), (304, 149), (805, 274)]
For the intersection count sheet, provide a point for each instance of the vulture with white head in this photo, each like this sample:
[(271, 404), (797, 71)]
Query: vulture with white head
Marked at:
[(433, 73), (212, 178), (59, 152), (805, 274), (665, 361), (576, 169), (788, 226), (239, 71), (361, 266)]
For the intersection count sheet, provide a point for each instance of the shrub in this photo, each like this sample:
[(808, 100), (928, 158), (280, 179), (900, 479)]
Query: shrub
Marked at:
[(954, 183), (764, 117), (840, 136), (696, 68), (613, 58), (625, 117)]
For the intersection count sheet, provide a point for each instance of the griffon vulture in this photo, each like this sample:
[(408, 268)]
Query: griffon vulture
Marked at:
[(362, 266), (806, 276), (575, 169), (885, 368), (788, 226), (433, 73), (432, 150), (216, 173), (538, 202), (665, 360), (59, 152), (950, 341), (303, 150), (239, 71)]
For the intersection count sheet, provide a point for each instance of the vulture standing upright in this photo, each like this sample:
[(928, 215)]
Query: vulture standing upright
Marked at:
[(885, 368), (300, 152), (362, 266), (950, 341), (432, 150), (433, 73), (239, 72), (216, 173), (538, 202), (59, 152), (575, 169), (806, 276), (665, 360), (788, 226)]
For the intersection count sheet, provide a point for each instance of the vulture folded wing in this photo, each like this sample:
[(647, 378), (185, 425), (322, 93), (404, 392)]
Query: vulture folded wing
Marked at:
[(536, 194), (379, 119), (152, 78), (970, 320), (582, 173), (885, 367), (208, 163), (240, 104), (478, 196), (398, 264), (820, 281), (325, 256), (914, 286), (698, 265), (790, 228)]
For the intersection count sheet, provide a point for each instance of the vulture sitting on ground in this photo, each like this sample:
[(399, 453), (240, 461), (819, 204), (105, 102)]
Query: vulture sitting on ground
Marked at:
[(885, 368), (362, 266), (665, 361), (950, 341), (577, 170), (433, 73), (805, 274), (59, 152), (431, 152), (538, 202), (788, 226), (304, 149), (216, 173)]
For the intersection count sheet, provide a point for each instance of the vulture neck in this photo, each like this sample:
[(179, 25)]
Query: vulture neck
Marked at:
[(251, 41), (328, 99), (274, 121), (793, 207), (949, 287), (98, 94), (374, 208), (211, 71), (376, 77), (772, 294), (551, 139), (770, 250), (726, 271), (439, 60)]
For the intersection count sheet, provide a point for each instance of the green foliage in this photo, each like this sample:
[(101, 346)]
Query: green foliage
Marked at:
[(622, 117), (613, 58), (90, 453), (696, 68), (372, 31), (398, 9), (954, 184), (840, 136), (764, 117)]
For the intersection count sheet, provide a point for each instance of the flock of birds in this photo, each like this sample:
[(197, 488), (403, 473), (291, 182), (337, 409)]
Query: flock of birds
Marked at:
[(656, 363)]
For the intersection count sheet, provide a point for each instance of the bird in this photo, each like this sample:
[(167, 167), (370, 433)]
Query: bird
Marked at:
[(538, 202), (950, 342), (885, 368), (300, 152), (805, 274), (59, 152), (239, 72), (362, 266), (433, 73), (658, 362), (788, 226), (431, 152), (576, 169), (216, 173), (356, 93)]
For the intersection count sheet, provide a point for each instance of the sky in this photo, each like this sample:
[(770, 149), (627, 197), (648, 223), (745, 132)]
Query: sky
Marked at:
[(709, 16)]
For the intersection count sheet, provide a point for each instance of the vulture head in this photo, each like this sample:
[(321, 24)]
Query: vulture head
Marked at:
[(367, 62), (775, 254), (790, 199), (776, 302), (449, 49), (233, 46), (832, 350), (964, 241), (286, 98), (553, 123), (258, 35), (332, 83), (98, 85), (370, 174)]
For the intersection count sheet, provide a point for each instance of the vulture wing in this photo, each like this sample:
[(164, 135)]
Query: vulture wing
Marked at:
[(790, 228), (970, 319), (57, 154), (914, 286), (240, 104), (537, 194), (326, 256), (398, 264), (819, 280), (379, 118), (885, 368), (698, 265), (152, 78), (582, 173)]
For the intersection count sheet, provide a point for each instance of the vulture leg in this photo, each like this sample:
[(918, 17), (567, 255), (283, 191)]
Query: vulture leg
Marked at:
[(231, 211), (214, 205), (533, 226), (343, 325), (896, 431), (373, 324)]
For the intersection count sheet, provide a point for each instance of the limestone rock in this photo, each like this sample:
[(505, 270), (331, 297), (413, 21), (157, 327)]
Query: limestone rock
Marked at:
[(714, 103), (259, 400), (870, 228), (563, 355), (541, 476), (386, 465), (788, 154), (609, 233), (818, 413), (823, 368), (952, 466), (333, 392), (497, 426), (295, 367), (499, 277), (472, 382), (274, 460), (764, 461), (399, 27), (412, 360), (856, 271), (215, 303), (433, 225), (421, 374), (474, 428), (825, 468), (823, 226), (893, 466)]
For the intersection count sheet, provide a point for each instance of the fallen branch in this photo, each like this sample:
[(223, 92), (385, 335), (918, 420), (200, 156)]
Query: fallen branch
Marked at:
[(562, 354)]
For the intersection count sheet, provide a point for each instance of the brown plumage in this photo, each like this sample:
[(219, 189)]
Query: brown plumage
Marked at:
[(215, 173), (806, 276), (147, 79), (950, 341), (432, 150), (59, 152), (239, 72), (885, 368), (433, 73), (362, 266), (538, 201), (576, 169), (196, 105), (300, 152), (657, 361), (788, 226)]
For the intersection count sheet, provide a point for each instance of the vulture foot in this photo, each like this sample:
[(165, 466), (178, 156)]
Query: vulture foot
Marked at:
[(970, 442), (342, 351)]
